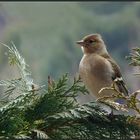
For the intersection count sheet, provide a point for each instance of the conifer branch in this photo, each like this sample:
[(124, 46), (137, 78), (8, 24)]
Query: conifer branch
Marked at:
[(54, 112)]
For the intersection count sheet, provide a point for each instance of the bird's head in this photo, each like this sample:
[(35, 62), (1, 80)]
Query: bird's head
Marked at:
[(92, 43)]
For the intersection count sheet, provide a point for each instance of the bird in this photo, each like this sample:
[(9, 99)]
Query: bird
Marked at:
[(97, 68)]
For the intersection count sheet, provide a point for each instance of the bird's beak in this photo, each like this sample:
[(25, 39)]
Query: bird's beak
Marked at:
[(81, 42)]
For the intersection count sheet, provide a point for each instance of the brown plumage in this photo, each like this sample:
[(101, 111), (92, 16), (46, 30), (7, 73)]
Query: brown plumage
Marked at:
[(97, 68)]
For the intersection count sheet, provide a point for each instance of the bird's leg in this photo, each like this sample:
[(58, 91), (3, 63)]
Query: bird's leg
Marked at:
[(111, 115)]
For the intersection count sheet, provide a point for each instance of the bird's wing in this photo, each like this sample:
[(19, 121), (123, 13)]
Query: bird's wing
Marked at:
[(116, 76)]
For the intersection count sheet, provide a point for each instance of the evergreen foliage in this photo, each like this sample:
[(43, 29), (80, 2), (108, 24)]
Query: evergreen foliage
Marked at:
[(53, 112)]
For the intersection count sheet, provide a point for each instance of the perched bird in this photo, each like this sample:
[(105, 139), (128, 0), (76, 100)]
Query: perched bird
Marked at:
[(97, 68)]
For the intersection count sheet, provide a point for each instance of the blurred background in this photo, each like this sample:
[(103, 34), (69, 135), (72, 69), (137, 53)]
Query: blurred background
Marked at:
[(45, 34)]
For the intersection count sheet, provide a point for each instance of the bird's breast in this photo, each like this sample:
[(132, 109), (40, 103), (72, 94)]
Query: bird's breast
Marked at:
[(95, 72)]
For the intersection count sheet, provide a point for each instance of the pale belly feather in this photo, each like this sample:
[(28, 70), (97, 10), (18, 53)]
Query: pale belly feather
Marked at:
[(96, 74)]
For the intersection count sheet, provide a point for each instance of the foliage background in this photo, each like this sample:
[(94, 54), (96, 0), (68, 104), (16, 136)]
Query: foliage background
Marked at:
[(46, 32), (55, 113)]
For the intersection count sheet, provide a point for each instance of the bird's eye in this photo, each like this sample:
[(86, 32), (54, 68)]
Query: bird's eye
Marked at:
[(91, 41)]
